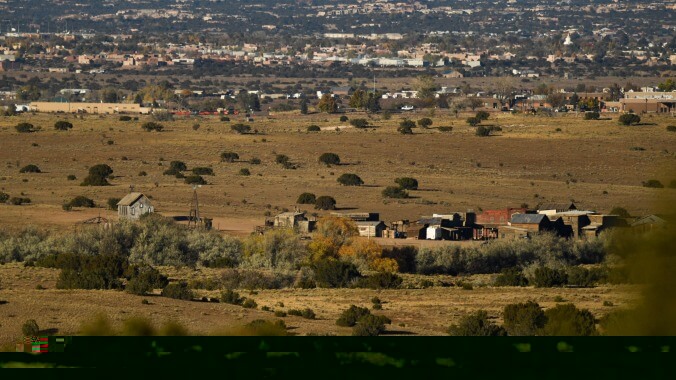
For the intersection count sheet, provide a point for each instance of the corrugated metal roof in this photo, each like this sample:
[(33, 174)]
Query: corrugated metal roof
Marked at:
[(558, 206), (129, 199), (528, 218)]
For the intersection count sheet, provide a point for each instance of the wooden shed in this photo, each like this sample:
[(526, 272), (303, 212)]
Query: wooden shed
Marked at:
[(133, 205)]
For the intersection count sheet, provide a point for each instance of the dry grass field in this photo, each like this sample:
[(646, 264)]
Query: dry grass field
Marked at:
[(530, 161), (534, 159), (413, 311)]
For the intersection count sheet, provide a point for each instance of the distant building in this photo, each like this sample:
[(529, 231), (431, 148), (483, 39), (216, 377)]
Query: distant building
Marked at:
[(555, 208), (371, 229), (133, 205), (95, 108), (294, 220)]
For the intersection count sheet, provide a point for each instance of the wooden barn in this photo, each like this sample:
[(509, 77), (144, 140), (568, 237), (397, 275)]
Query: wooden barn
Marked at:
[(133, 205)]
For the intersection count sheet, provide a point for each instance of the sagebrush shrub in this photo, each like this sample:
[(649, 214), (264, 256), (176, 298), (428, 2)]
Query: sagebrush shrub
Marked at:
[(178, 290), (349, 317), (523, 319), (476, 324)]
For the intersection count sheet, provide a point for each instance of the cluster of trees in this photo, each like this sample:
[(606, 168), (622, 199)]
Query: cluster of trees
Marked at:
[(369, 102), (323, 202), (528, 319), (400, 191), (334, 258)]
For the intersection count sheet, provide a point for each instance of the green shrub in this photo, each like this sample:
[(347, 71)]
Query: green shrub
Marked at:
[(82, 201), (240, 128), (3, 197), (244, 172), (63, 125), (334, 273), (482, 115), (544, 277), (406, 123), (381, 280), (325, 202), (523, 319), (195, 180), (511, 277), (482, 131), (18, 201), (567, 320), (473, 121), (405, 130), (653, 183), (229, 156), (98, 175), (30, 168), (125, 118), (145, 279), (349, 179), (343, 119), (25, 128), (260, 327), (306, 313), (359, 123), (112, 203), (445, 129), (370, 325), (476, 324), (313, 128), (425, 122), (329, 159), (30, 328), (231, 297), (306, 199), (280, 314), (671, 128), (152, 126), (592, 115), (394, 192), (79, 271), (582, 277), (349, 317), (178, 290), (255, 161), (71, 177), (249, 304), (178, 166), (629, 119), (407, 183), (225, 118)]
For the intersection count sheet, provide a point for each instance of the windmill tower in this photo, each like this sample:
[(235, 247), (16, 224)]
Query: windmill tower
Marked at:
[(194, 219)]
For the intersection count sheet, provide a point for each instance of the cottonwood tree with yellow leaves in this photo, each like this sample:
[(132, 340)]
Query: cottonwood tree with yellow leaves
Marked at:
[(335, 239)]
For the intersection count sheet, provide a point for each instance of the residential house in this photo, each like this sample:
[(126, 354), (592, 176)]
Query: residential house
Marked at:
[(133, 205)]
